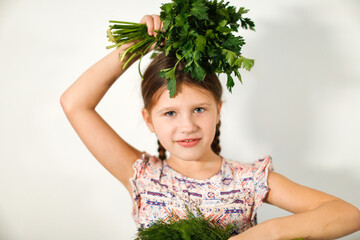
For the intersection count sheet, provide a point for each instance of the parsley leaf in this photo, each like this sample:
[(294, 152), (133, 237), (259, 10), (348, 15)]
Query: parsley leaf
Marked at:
[(197, 32)]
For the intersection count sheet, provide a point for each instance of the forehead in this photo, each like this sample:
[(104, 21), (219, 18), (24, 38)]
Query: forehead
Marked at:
[(186, 95)]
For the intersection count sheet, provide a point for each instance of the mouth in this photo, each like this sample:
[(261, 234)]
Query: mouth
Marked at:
[(189, 142)]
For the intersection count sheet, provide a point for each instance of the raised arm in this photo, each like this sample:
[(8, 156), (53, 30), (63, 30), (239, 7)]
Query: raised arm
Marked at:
[(80, 100)]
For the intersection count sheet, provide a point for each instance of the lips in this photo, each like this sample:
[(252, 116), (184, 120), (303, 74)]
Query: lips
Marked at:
[(189, 142)]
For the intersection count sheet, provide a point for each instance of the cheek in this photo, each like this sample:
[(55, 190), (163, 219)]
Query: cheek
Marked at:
[(210, 120), (212, 130), (162, 130), (165, 138)]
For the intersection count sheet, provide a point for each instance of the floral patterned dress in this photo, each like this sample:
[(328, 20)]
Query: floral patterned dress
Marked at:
[(231, 196)]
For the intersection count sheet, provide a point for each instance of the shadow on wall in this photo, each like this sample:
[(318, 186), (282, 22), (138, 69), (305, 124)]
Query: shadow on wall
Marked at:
[(298, 81), (4, 231)]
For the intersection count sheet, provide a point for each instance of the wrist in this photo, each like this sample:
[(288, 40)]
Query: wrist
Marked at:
[(265, 230), (282, 229), (124, 59), (272, 229)]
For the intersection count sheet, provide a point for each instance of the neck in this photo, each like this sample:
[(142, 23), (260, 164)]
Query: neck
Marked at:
[(203, 168)]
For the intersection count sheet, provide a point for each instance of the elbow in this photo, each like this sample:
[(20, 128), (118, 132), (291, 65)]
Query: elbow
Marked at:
[(62, 100), (71, 104), (65, 103), (353, 215), (357, 218)]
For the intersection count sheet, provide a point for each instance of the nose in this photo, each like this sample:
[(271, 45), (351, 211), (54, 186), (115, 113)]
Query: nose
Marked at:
[(187, 124)]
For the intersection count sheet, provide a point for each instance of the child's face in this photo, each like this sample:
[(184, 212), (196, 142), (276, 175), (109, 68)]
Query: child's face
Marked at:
[(186, 124)]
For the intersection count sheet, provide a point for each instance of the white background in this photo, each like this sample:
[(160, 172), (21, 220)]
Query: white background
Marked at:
[(300, 104)]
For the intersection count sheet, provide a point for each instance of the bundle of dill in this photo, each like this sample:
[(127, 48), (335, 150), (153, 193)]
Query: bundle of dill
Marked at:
[(191, 228)]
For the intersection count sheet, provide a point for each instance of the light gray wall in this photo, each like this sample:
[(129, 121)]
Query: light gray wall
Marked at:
[(300, 104)]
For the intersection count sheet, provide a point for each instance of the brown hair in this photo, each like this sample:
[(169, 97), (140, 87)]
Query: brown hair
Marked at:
[(152, 86)]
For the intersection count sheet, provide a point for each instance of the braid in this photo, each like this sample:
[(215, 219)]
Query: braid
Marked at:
[(162, 151), (215, 145)]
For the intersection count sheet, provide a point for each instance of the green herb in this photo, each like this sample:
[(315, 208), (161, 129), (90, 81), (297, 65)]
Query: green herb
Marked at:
[(125, 32), (193, 227), (197, 32)]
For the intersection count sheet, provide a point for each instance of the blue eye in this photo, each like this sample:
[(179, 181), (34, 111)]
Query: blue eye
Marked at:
[(170, 113), (199, 110)]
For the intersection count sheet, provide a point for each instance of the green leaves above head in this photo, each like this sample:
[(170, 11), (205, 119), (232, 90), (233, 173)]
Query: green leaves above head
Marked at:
[(199, 33), (199, 10), (198, 73), (246, 63), (169, 74), (200, 43)]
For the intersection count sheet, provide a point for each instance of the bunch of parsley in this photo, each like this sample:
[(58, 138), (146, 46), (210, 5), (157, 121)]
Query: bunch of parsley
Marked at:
[(197, 32)]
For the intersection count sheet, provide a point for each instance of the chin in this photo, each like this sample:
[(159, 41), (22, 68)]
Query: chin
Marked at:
[(188, 155)]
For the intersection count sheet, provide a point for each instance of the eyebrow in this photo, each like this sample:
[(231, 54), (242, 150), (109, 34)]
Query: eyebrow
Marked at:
[(166, 109)]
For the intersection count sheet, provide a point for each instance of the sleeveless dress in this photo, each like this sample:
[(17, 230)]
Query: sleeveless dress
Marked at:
[(231, 196)]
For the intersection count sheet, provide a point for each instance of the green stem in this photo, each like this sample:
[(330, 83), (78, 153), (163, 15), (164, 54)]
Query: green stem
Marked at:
[(112, 46), (129, 60), (132, 23), (142, 78), (137, 49), (142, 54)]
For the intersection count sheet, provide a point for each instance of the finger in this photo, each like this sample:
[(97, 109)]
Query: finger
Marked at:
[(152, 47), (149, 21), (157, 23)]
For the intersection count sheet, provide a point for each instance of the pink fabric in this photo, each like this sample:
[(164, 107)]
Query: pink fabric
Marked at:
[(231, 196)]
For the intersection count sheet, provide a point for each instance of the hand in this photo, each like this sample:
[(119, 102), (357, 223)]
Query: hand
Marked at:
[(153, 23)]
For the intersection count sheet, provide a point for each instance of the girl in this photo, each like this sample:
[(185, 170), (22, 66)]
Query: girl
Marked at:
[(195, 175)]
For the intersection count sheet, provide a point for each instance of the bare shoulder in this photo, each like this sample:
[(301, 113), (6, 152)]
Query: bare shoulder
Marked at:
[(294, 197)]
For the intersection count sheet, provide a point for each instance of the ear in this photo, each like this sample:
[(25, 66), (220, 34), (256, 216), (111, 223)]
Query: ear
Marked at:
[(218, 112), (147, 118)]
